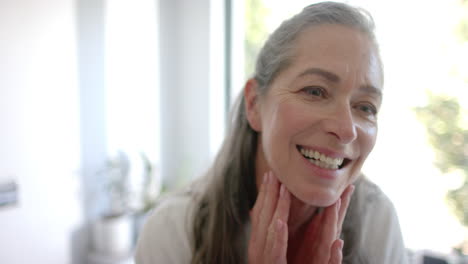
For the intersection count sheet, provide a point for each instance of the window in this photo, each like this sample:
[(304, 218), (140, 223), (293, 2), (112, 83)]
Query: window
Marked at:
[(132, 82)]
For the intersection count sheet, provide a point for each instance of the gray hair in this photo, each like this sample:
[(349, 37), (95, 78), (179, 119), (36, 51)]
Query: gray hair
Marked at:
[(277, 53), (222, 211)]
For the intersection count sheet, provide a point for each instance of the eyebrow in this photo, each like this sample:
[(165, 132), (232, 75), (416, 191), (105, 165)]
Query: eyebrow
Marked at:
[(332, 77), (371, 89), (325, 74)]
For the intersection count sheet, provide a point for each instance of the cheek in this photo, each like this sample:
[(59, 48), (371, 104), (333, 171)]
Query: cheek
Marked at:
[(280, 125), (273, 132), (369, 138), (284, 121)]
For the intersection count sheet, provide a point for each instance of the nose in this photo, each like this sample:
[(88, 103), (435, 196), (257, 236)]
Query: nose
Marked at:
[(341, 124)]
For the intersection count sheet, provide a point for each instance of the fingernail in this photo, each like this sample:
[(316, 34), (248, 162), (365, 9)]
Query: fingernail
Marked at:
[(279, 225), (265, 177), (341, 244), (282, 190)]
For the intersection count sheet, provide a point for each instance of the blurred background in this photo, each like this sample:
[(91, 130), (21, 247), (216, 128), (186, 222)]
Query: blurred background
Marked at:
[(106, 104)]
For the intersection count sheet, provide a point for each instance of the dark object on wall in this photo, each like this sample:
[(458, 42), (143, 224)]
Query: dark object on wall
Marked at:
[(8, 193)]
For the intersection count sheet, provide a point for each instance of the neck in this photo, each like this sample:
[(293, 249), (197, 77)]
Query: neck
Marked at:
[(300, 215)]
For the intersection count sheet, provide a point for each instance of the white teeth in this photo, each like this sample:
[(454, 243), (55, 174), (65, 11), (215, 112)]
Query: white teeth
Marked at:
[(321, 160), (323, 164), (316, 155)]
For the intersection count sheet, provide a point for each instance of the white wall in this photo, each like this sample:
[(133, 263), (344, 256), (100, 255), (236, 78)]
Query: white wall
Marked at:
[(39, 139)]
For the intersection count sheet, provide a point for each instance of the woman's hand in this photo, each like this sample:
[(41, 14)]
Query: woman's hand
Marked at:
[(269, 235)]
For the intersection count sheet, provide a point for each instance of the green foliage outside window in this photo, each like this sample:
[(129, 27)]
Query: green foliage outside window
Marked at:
[(447, 129), (256, 32), (448, 135)]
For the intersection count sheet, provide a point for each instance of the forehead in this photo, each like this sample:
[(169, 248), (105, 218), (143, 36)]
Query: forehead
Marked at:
[(345, 51)]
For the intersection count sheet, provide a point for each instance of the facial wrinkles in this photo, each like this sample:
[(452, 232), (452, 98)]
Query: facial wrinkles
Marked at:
[(362, 65), (371, 65), (277, 97), (356, 76), (375, 69)]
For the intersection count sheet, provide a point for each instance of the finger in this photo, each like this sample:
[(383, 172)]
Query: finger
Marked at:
[(257, 238), (275, 240), (283, 205), (255, 213), (328, 232), (268, 208), (345, 200), (280, 246), (337, 252), (258, 230)]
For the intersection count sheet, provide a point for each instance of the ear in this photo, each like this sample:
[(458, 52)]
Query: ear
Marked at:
[(252, 105)]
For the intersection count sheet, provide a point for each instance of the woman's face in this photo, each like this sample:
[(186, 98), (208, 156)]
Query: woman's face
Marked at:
[(318, 121)]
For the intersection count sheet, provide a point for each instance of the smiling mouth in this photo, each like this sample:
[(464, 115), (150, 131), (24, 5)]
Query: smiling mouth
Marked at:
[(321, 160)]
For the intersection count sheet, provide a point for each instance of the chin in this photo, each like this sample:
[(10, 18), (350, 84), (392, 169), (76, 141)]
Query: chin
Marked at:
[(317, 196)]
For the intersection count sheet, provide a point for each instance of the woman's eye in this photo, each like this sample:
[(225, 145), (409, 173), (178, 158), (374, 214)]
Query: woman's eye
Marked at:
[(315, 91), (369, 109)]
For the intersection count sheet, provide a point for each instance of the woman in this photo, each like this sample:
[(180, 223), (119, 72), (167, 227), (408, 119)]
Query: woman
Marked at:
[(280, 188)]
